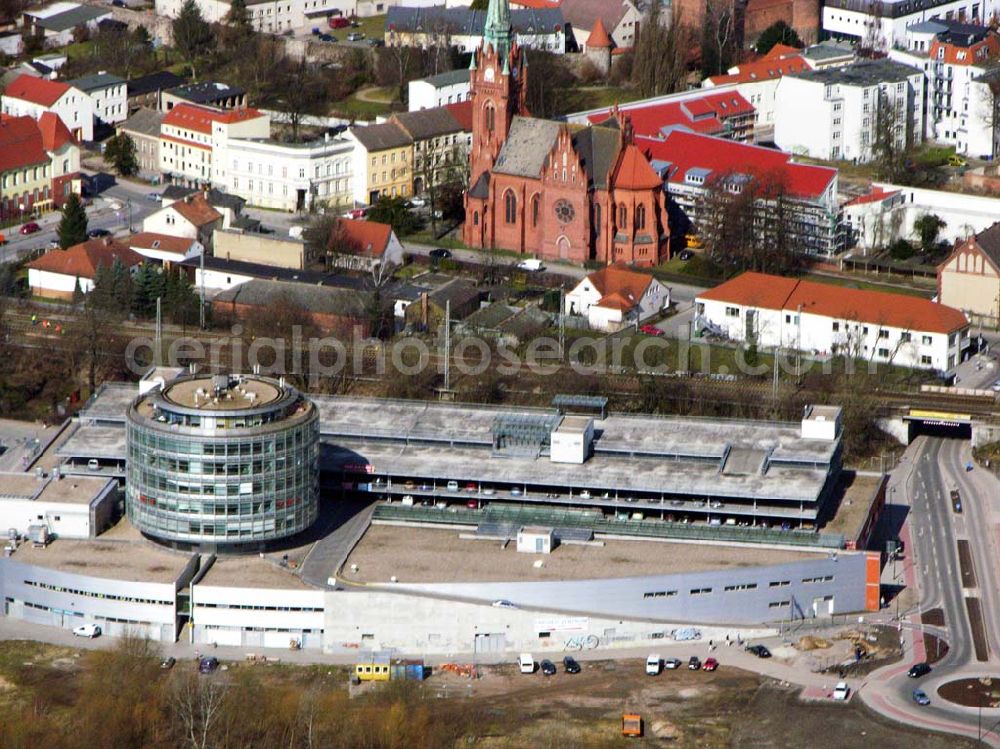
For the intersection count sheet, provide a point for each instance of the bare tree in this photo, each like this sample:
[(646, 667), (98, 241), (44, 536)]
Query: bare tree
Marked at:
[(873, 43), (661, 56), (198, 707), (720, 36)]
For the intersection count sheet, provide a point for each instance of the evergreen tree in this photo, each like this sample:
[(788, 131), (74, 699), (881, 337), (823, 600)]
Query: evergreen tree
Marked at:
[(238, 16), (778, 32), (100, 296), (77, 292), (147, 286), (192, 34), (120, 152), (121, 288), (73, 225)]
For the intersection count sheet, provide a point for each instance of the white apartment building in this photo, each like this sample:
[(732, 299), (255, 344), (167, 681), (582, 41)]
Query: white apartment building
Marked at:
[(959, 62), (279, 15), (439, 90), (883, 23), (108, 94), (835, 113), (778, 312), (28, 95), (290, 176), (190, 137)]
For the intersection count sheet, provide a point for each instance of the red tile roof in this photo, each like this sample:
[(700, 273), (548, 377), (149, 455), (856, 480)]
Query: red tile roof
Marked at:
[(536, 4), (977, 53), (619, 287), (364, 233), (196, 209), (37, 90), (598, 36), (838, 302), (703, 114), (633, 172), (20, 143), (82, 260), (762, 70), (193, 117), (462, 112), (149, 240), (685, 151), (54, 132), (781, 50)]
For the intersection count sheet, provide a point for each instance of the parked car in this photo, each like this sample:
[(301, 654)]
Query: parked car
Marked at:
[(380, 43), (440, 253), (30, 228), (585, 494), (327, 38), (570, 665), (154, 197), (710, 664), (694, 663), (841, 691), (168, 663), (651, 330), (686, 255), (452, 486), (532, 265), (672, 663), (920, 697), (98, 233), (338, 22), (653, 663), (526, 663), (87, 630), (316, 31), (208, 665), (418, 202), (503, 603), (355, 36), (472, 504), (759, 650), (516, 492), (918, 669), (548, 668), (53, 244), (471, 487)]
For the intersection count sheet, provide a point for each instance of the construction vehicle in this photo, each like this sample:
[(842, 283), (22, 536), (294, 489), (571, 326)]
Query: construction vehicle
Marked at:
[(631, 724)]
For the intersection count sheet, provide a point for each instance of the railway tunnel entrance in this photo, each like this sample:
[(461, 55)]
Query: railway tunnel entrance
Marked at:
[(938, 424)]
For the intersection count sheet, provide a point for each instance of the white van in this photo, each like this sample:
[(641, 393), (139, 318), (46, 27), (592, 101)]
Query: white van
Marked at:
[(295, 232), (532, 265), (653, 663), (526, 663)]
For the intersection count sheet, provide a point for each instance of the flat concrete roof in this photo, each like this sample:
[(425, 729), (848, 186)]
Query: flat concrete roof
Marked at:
[(251, 572), (250, 393), (853, 498), (136, 560), (69, 490), (439, 555), (89, 441)]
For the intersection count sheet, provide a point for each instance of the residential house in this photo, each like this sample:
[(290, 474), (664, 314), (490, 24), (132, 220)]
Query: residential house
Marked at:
[(274, 16), (107, 94), (146, 91), (961, 78), (230, 206), (291, 176), (758, 80), (143, 127), (39, 165), (192, 217), (882, 24), (32, 96), (56, 22), (383, 159), (533, 28), (441, 142), (207, 94), (438, 90), (58, 273), (340, 311), (362, 245), (428, 312), (165, 248), (969, 279), (693, 164), (621, 19), (722, 111), (191, 136), (838, 113), (777, 312), (615, 297)]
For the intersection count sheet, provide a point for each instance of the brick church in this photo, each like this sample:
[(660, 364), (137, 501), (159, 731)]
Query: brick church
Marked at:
[(549, 189)]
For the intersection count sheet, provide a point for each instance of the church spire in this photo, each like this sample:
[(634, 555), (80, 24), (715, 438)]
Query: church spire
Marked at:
[(499, 32)]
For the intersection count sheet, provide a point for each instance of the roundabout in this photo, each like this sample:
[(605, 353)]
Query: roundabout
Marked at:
[(982, 691)]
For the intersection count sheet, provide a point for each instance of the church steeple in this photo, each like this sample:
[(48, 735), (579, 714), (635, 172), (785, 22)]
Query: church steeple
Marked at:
[(499, 32)]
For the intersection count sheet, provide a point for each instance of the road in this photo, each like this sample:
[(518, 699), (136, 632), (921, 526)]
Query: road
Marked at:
[(100, 215), (931, 468)]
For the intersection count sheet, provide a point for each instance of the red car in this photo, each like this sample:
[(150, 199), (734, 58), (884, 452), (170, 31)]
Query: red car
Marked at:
[(338, 22), (651, 330), (30, 228), (710, 664)]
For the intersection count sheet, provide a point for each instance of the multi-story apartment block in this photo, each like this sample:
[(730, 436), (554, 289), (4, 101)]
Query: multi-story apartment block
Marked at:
[(881, 25), (108, 94), (383, 161), (32, 96), (839, 113), (441, 140), (290, 176), (959, 62), (39, 165), (190, 137)]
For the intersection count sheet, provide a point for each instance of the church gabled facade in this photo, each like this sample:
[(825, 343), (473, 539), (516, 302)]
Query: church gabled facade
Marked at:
[(549, 189)]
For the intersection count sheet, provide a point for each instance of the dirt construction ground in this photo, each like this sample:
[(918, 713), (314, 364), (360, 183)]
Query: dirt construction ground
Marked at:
[(728, 708)]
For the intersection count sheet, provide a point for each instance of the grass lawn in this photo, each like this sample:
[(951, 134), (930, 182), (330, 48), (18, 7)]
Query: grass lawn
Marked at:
[(376, 101), (856, 283), (373, 27), (593, 97)]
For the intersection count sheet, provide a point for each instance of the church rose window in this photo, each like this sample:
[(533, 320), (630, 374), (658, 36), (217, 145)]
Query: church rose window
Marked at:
[(564, 211)]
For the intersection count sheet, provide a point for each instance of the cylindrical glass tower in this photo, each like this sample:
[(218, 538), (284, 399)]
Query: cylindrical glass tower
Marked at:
[(223, 462)]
